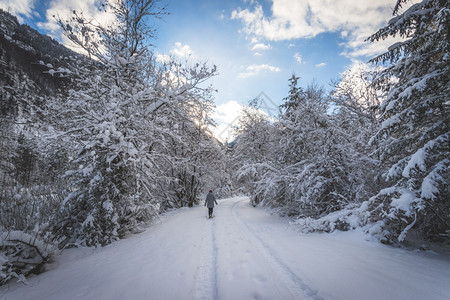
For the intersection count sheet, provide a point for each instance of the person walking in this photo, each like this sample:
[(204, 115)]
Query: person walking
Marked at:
[(209, 202)]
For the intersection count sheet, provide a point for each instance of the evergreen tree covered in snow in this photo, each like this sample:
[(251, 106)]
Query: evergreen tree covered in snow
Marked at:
[(413, 141), (316, 175)]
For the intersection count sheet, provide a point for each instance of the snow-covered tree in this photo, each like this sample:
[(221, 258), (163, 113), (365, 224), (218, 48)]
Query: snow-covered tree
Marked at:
[(26, 200), (118, 116), (89, 159), (309, 163), (356, 93), (314, 178), (357, 109), (413, 141), (194, 156), (252, 152)]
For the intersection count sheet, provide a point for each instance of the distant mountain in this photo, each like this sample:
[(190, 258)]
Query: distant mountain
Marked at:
[(32, 65)]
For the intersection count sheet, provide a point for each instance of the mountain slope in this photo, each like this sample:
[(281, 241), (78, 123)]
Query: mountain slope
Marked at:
[(33, 66), (243, 253)]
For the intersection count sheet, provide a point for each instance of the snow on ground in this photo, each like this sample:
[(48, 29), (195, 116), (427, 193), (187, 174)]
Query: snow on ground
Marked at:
[(243, 253)]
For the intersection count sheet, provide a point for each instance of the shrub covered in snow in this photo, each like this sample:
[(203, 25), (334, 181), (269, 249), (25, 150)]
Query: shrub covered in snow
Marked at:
[(22, 254)]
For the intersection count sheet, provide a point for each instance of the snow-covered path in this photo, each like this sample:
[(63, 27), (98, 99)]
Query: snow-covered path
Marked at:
[(243, 253)]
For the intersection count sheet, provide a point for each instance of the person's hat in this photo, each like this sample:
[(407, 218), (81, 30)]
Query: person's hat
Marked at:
[(210, 191)]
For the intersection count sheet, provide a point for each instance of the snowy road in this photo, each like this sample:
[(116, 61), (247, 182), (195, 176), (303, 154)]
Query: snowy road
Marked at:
[(243, 253)]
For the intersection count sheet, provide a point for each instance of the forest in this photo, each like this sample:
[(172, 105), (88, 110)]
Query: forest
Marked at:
[(94, 146)]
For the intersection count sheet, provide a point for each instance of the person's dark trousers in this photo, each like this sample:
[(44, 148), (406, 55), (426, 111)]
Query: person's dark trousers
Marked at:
[(210, 211)]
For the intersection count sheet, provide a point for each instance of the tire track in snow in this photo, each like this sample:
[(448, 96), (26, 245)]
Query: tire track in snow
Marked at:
[(296, 286), (206, 275)]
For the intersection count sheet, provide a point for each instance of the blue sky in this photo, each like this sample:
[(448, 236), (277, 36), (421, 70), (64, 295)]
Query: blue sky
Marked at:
[(257, 45), (247, 67)]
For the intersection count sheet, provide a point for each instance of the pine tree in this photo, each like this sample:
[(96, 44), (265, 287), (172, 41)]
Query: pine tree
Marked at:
[(296, 95), (413, 142), (316, 162)]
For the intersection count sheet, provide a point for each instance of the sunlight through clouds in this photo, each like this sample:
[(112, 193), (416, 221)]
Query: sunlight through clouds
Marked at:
[(227, 116)]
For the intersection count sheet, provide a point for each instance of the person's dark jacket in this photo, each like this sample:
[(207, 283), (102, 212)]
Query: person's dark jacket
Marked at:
[(210, 200)]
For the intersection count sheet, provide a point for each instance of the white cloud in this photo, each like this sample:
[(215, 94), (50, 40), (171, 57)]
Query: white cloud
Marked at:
[(226, 116), (298, 57), (261, 46), (18, 7), (294, 19), (181, 50), (254, 70), (322, 64), (178, 51), (64, 8), (368, 49)]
